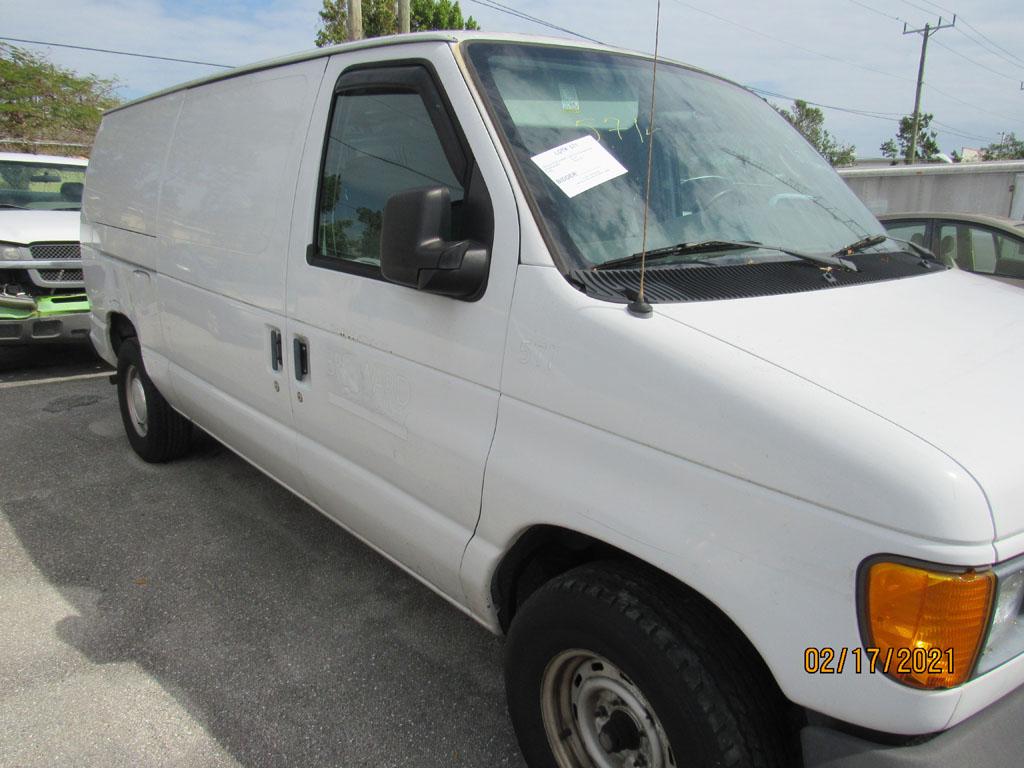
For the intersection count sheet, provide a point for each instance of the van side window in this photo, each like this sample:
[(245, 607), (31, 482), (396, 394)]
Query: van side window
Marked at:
[(381, 141)]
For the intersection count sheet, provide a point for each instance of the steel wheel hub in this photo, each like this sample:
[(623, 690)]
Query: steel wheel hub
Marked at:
[(596, 717), (135, 395)]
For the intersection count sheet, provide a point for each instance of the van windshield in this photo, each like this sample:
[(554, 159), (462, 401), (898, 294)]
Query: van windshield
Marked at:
[(725, 165), (41, 185)]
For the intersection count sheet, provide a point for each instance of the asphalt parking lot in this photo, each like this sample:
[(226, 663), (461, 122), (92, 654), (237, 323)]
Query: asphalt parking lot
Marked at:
[(197, 614)]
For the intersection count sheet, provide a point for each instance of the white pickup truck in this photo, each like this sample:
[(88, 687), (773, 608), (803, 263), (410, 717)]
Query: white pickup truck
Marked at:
[(42, 296), (774, 518)]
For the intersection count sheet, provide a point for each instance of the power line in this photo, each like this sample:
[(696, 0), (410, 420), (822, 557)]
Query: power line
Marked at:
[(501, 8), (118, 53), (972, 106), (992, 51), (987, 47), (993, 42), (939, 8), (976, 63), (932, 87), (789, 43), (923, 10), (956, 132), (890, 116), (879, 12), (1016, 59)]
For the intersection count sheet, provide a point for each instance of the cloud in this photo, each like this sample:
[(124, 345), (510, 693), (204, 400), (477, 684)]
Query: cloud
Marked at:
[(230, 33)]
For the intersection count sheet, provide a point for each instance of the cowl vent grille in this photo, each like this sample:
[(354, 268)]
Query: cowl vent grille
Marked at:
[(679, 283)]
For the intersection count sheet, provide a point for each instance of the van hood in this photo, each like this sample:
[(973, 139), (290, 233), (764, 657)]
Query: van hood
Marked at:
[(24, 227), (940, 355)]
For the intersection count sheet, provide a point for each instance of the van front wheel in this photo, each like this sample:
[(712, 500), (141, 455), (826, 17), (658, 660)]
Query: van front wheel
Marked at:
[(156, 431), (608, 667)]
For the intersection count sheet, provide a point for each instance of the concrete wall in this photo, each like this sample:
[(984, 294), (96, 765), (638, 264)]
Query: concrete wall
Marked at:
[(995, 188)]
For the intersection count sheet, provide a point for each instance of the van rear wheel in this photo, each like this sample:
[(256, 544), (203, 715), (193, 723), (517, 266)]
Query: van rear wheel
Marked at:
[(156, 431), (608, 667)]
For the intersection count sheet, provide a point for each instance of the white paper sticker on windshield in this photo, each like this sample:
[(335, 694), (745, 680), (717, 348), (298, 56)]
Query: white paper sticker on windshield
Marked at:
[(579, 165)]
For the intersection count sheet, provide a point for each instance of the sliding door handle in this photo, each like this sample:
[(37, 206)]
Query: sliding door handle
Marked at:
[(300, 350), (276, 355)]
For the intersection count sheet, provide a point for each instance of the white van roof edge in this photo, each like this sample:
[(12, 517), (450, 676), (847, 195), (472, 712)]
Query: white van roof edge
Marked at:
[(449, 36)]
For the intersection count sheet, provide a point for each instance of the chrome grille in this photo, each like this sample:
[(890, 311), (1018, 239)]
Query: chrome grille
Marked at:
[(61, 275), (56, 251)]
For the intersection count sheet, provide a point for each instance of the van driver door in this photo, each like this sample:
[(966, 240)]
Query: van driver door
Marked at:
[(396, 389)]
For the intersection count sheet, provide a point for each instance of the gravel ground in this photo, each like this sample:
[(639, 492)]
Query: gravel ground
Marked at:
[(197, 614)]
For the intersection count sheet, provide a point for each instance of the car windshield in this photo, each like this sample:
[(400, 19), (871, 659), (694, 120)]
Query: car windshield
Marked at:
[(725, 165), (41, 185)]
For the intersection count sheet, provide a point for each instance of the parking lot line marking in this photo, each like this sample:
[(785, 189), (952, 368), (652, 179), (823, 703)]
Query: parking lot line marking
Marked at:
[(54, 380)]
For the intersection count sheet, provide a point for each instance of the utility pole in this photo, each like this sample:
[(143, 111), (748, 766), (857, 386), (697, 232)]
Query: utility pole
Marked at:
[(355, 19), (403, 16), (925, 33)]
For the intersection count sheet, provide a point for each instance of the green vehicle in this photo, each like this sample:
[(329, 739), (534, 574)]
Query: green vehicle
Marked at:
[(42, 292)]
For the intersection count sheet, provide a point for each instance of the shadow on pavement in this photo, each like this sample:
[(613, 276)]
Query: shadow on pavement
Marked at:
[(39, 361), (288, 641)]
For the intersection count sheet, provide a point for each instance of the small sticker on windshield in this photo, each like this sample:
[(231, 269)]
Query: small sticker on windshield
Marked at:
[(570, 99), (579, 165)]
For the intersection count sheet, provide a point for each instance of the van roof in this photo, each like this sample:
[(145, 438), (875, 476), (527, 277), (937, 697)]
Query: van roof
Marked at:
[(447, 36)]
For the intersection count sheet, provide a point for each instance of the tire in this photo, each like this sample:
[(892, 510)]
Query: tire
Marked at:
[(608, 651), (156, 431)]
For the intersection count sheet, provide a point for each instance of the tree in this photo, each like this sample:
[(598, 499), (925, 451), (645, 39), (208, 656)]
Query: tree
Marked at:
[(40, 101), (927, 141), (1010, 148), (810, 121), (380, 18), (438, 14)]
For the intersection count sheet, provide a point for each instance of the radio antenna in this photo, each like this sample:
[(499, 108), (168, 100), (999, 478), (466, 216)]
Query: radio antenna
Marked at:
[(639, 306)]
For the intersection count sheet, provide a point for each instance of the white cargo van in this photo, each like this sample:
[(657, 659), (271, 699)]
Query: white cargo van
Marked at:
[(777, 519)]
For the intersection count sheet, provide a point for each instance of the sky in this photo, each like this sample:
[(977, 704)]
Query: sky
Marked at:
[(842, 53)]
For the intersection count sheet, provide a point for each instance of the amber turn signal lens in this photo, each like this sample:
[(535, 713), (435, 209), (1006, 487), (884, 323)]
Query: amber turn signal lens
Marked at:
[(927, 625)]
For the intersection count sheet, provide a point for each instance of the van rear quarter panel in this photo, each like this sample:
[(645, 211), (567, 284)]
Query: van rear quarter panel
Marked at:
[(229, 182), (123, 180), (119, 213)]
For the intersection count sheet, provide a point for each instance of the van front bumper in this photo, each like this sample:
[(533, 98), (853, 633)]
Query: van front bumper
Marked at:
[(51, 319), (993, 738)]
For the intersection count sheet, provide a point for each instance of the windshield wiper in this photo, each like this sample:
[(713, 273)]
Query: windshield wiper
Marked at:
[(859, 245), (680, 249), (12, 205), (705, 246), (925, 254)]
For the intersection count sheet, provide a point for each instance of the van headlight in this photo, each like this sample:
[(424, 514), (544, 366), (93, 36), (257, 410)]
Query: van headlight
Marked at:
[(1006, 634), (14, 252), (933, 626)]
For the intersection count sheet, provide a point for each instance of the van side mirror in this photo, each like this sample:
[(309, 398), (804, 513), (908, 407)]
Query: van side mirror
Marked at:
[(414, 251)]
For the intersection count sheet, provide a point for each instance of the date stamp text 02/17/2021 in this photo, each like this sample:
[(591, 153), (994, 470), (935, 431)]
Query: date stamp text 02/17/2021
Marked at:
[(900, 661)]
